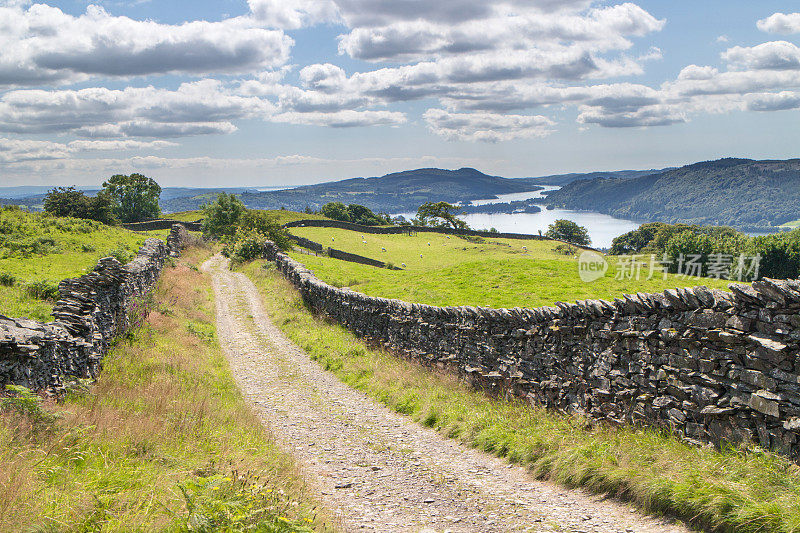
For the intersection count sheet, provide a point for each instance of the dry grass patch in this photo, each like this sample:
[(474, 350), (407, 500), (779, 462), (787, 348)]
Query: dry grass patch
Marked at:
[(163, 440)]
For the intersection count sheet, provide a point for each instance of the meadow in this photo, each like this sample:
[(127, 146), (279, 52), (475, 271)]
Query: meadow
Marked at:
[(449, 270), (735, 489), (37, 251), (163, 441)]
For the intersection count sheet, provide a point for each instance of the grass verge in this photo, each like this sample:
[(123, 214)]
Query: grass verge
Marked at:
[(163, 441), (729, 490)]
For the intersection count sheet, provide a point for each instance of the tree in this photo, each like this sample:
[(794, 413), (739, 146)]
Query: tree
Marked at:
[(440, 214), (134, 197), (70, 202), (222, 216), (336, 211), (568, 231)]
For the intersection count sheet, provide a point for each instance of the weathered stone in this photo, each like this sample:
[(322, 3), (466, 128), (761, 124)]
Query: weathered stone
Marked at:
[(765, 402)]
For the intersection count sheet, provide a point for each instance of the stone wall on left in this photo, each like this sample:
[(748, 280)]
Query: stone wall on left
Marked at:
[(91, 311)]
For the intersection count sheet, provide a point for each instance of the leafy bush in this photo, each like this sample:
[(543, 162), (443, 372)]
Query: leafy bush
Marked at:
[(42, 290), (121, 254), (569, 231), (355, 213), (238, 503), (70, 202), (7, 280), (23, 402), (221, 217)]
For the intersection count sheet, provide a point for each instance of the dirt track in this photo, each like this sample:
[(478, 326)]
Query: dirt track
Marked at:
[(378, 470)]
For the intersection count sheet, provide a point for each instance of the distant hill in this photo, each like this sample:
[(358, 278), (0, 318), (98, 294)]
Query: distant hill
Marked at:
[(392, 193), (563, 179), (735, 192)]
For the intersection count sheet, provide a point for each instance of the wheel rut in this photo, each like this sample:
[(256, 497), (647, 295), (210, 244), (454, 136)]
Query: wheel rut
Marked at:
[(380, 471)]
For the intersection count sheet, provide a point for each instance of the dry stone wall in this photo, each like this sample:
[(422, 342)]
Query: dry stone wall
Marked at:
[(90, 312), (713, 366)]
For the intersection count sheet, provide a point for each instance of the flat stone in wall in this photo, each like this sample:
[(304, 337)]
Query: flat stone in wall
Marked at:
[(713, 366)]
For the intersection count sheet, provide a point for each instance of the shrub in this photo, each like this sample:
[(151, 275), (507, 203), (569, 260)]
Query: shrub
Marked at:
[(7, 280), (25, 403), (121, 254), (42, 290)]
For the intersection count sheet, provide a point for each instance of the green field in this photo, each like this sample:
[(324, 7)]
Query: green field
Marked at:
[(452, 271), (37, 251), (792, 225)]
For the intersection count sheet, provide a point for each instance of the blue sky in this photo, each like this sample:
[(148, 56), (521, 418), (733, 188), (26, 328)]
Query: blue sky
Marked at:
[(269, 92)]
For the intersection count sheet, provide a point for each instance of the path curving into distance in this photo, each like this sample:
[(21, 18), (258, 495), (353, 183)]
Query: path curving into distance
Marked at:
[(378, 470)]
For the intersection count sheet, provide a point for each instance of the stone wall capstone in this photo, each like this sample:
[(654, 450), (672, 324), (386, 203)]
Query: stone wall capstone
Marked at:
[(713, 366), (90, 312)]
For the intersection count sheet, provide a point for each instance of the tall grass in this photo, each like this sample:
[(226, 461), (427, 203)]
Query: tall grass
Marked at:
[(162, 441), (731, 490)]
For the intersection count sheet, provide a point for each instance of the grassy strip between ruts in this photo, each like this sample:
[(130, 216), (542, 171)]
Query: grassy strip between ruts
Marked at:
[(163, 441), (730, 490)]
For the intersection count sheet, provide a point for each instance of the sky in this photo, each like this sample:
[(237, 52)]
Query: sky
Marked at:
[(288, 92)]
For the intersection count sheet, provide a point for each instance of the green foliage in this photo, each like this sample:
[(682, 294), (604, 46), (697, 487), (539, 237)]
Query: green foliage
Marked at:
[(439, 214), (355, 213), (22, 401), (121, 254), (221, 217), (236, 503), (779, 253), (569, 231), (134, 198), (7, 280), (70, 202), (42, 290)]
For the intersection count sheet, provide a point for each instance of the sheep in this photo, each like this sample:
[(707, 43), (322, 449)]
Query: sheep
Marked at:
[(333, 239), (383, 249), (525, 248), (420, 256), (403, 265), (429, 244), (448, 236)]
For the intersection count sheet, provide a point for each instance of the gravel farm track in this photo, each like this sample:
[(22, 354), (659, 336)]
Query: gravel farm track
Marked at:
[(378, 470)]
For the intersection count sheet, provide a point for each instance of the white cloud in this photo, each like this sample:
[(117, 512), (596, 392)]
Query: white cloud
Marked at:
[(780, 23), (43, 45), (422, 38), (486, 127), (775, 55), (781, 101), (23, 150), (194, 108), (293, 14), (342, 119)]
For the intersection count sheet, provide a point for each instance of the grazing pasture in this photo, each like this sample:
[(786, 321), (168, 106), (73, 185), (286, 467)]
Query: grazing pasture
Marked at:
[(445, 270)]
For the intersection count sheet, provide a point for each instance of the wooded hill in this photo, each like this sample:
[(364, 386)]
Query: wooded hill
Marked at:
[(734, 192)]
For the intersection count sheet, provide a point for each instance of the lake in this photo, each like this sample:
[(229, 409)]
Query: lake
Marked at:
[(602, 228)]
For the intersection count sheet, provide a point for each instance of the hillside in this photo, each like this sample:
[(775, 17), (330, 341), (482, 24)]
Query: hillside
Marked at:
[(734, 192), (392, 193), (564, 179)]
